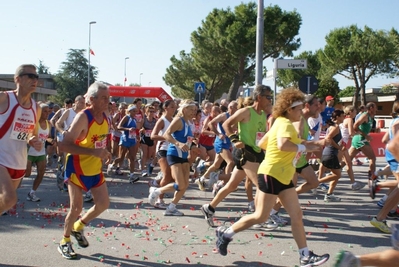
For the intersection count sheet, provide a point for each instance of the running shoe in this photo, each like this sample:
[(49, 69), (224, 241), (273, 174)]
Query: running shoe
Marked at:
[(161, 205), (313, 260), (331, 198), (278, 219), (208, 214), (67, 251), (213, 178), (268, 225), (393, 215), (88, 197), (80, 237), (357, 186), (32, 197), (153, 196), (373, 188), (217, 187), (346, 259), (172, 212), (118, 171), (222, 242), (109, 169), (201, 183), (380, 225), (324, 187), (133, 178)]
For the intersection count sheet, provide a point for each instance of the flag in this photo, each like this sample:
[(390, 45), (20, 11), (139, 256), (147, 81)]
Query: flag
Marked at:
[(92, 52)]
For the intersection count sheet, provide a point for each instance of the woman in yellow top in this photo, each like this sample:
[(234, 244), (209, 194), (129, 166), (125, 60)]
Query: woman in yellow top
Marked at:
[(284, 148)]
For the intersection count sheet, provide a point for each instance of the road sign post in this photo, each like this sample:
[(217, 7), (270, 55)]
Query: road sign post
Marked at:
[(199, 88)]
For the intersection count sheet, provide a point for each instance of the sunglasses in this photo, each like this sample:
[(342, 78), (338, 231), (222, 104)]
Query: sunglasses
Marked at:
[(268, 97), (30, 75)]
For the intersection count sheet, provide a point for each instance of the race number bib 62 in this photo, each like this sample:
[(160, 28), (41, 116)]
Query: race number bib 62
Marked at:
[(21, 131), (100, 144)]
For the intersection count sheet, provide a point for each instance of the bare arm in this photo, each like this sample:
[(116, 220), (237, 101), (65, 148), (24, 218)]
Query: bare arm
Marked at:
[(78, 131), (215, 121), (59, 125), (205, 126), (174, 126)]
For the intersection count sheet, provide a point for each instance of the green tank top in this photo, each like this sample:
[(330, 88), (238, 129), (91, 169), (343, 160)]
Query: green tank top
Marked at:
[(305, 133), (252, 131), (365, 127)]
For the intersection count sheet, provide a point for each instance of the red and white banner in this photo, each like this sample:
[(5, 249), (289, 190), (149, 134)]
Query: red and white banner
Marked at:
[(138, 91)]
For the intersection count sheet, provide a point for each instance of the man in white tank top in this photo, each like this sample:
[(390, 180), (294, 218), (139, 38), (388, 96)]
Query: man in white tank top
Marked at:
[(19, 115), (67, 117)]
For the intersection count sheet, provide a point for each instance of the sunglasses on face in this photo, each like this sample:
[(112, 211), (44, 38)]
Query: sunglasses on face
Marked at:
[(30, 75), (269, 97)]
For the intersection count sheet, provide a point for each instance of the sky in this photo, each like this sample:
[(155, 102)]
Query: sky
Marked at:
[(151, 32)]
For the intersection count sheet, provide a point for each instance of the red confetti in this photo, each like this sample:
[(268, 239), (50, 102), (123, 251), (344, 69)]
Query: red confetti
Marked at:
[(256, 235), (325, 225), (243, 256), (187, 259), (260, 253), (127, 256), (194, 253)]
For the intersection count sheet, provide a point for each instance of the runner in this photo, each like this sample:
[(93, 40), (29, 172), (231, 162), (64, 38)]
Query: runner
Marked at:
[(18, 120), (39, 157), (247, 154), (180, 138), (85, 142), (275, 177)]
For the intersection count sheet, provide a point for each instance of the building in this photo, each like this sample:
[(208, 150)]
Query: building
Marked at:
[(45, 86)]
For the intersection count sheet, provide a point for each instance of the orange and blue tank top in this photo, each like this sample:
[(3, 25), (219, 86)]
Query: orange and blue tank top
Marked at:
[(96, 137)]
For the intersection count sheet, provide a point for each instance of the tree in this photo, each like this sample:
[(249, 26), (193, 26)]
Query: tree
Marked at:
[(348, 91), (71, 80), (42, 69), (223, 54), (358, 55)]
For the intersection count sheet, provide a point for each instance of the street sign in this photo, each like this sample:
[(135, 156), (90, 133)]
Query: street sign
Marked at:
[(199, 88), (308, 84), (292, 64)]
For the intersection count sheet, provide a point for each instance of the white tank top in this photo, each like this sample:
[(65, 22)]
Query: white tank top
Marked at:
[(17, 135), (43, 134), (163, 145), (69, 120), (344, 133)]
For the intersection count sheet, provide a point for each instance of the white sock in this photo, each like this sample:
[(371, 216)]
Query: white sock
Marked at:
[(376, 173), (229, 233), (304, 252), (172, 206), (384, 198), (32, 191), (158, 191), (359, 263), (273, 211)]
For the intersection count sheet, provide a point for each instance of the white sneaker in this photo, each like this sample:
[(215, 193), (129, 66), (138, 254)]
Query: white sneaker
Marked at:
[(357, 186), (331, 198), (153, 196), (109, 169), (278, 219), (32, 197), (88, 197), (173, 212), (201, 183), (213, 178)]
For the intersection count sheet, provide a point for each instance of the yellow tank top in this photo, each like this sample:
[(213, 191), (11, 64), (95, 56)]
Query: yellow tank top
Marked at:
[(96, 137)]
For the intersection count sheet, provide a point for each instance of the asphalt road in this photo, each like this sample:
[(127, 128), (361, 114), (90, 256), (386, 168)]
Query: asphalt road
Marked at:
[(132, 233)]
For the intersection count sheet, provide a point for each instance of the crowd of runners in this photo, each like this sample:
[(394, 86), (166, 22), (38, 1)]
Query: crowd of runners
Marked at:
[(298, 145)]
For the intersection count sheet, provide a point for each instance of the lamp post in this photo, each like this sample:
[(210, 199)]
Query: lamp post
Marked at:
[(140, 78), (89, 52), (124, 81)]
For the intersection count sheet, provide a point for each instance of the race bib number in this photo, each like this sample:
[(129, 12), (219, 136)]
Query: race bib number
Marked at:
[(100, 144), (296, 158), (138, 117), (147, 133), (189, 141), (132, 134), (43, 137), (259, 136), (21, 131)]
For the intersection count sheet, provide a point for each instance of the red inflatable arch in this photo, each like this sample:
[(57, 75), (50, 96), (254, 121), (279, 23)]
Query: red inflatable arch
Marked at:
[(138, 91)]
